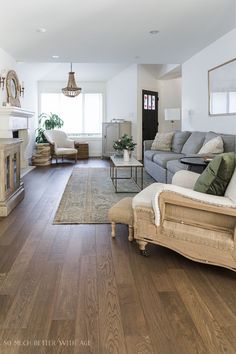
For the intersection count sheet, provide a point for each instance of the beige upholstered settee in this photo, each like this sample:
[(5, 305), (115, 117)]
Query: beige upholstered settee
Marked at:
[(199, 226)]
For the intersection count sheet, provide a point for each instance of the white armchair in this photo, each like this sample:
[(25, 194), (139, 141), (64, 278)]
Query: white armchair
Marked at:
[(197, 225), (62, 146)]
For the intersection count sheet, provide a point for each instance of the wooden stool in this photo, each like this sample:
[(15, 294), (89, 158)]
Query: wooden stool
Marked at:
[(122, 213)]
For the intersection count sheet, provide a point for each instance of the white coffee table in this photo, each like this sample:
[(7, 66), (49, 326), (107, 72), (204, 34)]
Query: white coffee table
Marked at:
[(133, 164)]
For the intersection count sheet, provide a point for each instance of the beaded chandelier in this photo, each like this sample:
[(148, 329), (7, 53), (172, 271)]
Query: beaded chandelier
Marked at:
[(72, 90)]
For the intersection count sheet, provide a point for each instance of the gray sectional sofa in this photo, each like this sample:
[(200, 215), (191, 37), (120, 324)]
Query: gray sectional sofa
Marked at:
[(162, 165)]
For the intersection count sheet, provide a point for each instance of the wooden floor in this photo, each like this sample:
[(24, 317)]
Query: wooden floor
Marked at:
[(72, 289)]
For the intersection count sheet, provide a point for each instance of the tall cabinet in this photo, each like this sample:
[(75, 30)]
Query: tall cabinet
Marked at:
[(112, 131), (11, 187)]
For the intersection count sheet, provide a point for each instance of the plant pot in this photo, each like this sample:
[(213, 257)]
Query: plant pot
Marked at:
[(126, 155)]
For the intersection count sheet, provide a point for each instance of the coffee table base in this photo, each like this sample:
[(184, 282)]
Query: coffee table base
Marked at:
[(134, 177)]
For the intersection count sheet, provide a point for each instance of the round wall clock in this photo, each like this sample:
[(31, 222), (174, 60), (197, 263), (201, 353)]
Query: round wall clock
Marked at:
[(13, 89)]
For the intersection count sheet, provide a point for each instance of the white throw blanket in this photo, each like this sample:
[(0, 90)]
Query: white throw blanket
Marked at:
[(189, 193)]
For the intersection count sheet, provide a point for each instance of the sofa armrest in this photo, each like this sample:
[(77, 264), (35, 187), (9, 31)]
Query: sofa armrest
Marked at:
[(181, 210), (147, 145), (186, 179), (201, 199)]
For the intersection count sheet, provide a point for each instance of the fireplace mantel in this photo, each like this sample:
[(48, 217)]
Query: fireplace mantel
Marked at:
[(16, 119), (15, 112), (12, 119)]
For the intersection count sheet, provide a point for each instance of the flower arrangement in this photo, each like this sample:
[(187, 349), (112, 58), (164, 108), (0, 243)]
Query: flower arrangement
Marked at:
[(124, 143)]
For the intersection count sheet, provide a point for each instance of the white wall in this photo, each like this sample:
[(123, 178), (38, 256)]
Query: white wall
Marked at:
[(122, 97), (30, 100), (169, 97), (6, 63), (195, 87)]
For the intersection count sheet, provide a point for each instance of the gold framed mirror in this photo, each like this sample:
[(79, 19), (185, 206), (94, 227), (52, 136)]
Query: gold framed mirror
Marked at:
[(13, 89), (222, 89)]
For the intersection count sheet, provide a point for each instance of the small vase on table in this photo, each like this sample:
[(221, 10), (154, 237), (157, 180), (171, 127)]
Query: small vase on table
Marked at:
[(126, 155)]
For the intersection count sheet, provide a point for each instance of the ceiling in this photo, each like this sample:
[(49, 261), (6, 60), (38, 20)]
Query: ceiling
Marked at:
[(59, 71), (112, 30)]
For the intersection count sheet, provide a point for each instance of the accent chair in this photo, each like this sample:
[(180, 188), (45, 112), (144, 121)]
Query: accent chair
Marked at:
[(61, 145)]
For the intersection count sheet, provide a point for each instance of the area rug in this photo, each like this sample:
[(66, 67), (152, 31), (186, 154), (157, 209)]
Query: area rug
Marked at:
[(90, 193)]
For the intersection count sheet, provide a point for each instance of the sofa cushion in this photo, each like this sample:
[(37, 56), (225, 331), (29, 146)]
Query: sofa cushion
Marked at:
[(194, 143), (179, 140), (162, 159), (162, 141), (229, 142), (175, 166), (149, 154), (213, 146), (215, 178)]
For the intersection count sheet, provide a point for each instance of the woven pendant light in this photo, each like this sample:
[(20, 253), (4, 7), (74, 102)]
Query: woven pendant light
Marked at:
[(72, 90)]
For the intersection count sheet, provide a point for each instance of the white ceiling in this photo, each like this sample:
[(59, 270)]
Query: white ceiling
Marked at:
[(112, 30), (59, 71)]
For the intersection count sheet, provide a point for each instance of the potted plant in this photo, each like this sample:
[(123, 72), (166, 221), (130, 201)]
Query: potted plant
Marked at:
[(47, 122), (125, 144), (42, 157)]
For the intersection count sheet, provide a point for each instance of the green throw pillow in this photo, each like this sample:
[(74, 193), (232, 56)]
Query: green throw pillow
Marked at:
[(215, 179)]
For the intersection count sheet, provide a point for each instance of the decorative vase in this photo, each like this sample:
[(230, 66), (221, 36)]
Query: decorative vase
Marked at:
[(126, 155)]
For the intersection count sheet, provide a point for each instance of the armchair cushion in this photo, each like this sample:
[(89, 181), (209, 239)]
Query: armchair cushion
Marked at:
[(231, 189), (216, 177), (186, 179)]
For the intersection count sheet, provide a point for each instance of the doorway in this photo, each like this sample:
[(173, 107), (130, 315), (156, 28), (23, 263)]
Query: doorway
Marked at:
[(149, 115)]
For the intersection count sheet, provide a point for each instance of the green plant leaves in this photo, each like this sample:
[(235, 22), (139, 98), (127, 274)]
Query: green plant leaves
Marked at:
[(47, 122)]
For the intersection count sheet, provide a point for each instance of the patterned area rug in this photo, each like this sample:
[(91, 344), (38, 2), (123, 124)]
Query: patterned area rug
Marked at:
[(90, 193)]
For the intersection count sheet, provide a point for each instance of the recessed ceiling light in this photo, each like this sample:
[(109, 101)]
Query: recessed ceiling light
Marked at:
[(41, 30), (154, 32), (55, 56)]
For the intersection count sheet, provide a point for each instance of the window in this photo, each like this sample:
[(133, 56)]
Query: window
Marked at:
[(223, 102), (82, 115)]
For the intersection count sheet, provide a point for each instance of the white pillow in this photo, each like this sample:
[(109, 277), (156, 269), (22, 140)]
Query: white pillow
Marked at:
[(231, 188), (162, 141), (213, 146)]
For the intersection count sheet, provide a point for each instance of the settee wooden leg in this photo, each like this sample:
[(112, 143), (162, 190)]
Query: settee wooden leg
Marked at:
[(142, 247), (113, 229), (130, 237)]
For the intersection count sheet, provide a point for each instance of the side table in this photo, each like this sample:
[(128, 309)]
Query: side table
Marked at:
[(83, 150)]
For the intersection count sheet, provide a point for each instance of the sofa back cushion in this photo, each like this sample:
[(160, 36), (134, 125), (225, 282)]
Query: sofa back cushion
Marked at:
[(194, 143), (216, 177), (179, 140)]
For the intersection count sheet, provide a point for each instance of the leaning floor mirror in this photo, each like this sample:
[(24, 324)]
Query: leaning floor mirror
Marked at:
[(222, 89)]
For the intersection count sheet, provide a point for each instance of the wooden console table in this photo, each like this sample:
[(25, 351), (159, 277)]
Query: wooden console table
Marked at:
[(11, 187)]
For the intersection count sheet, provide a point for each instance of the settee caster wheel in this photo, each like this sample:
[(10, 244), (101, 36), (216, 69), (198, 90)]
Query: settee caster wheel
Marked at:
[(144, 253)]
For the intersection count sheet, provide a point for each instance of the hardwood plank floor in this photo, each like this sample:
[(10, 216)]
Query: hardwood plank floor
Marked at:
[(73, 289)]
